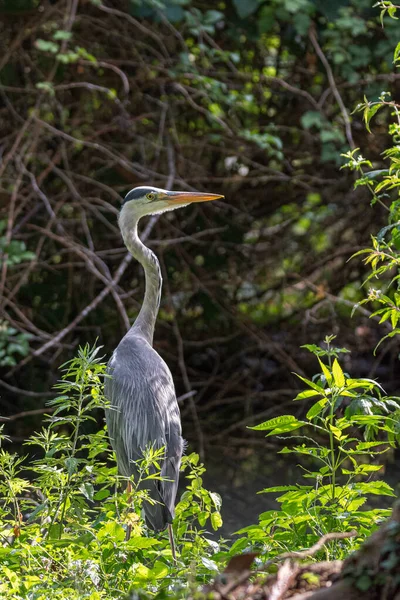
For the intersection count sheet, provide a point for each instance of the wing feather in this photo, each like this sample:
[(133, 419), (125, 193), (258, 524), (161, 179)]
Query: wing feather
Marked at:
[(144, 412)]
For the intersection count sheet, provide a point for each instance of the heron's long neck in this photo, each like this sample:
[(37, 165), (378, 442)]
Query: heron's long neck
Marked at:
[(146, 319)]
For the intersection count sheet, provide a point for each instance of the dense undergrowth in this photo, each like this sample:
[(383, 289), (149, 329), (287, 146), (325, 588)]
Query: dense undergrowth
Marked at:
[(64, 512)]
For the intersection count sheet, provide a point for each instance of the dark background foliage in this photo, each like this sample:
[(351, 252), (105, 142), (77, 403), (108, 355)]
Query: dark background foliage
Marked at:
[(248, 98)]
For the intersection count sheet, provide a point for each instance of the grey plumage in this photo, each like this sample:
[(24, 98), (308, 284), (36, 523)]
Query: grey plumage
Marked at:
[(143, 407), (142, 390)]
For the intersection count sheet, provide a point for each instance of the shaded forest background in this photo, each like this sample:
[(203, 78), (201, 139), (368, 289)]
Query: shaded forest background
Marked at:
[(251, 99)]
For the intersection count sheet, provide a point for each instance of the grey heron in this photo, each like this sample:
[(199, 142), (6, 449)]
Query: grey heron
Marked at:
[(143, 408)]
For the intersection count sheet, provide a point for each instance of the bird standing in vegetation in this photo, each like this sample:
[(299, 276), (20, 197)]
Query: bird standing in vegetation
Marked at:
[(143, 408)]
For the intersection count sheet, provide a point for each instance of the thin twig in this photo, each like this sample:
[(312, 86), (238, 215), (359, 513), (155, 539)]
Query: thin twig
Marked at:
[(224, 591), (332, 83)]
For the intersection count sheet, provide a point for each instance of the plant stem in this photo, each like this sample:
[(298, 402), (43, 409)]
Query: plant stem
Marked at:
[(332, 446), (74, 445)]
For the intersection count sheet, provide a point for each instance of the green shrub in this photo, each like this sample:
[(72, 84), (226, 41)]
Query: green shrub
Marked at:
[(63, 515), (350, 424)]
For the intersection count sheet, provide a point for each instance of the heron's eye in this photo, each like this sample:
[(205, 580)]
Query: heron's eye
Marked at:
[(150, 196)]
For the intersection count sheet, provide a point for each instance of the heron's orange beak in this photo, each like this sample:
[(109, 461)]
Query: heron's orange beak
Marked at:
[(175, 198)]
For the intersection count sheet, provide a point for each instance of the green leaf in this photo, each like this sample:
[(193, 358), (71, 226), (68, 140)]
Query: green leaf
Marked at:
[(160, 570), (46, 46), (12, 577), (216, 520), (336, 432), (101, 494), (311, 384), (306, 394), (55, 531), (316, 408), (281, 424), (279, 488), (72, 465), (245, 8), (363, 446), (62, 35), (311, 118), (202, 517), (374, 174), (369, 112), (377, 488), (364, 469), (139, 542), (46, 86), (87, 490), (396, 53), (210, 565), (325, 371), (37, 511), (217, 500), (214, 16), (111, 530), (338, 375)]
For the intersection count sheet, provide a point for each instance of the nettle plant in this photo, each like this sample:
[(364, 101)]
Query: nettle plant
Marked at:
[(350, 424), (63, 513), (383, 257)]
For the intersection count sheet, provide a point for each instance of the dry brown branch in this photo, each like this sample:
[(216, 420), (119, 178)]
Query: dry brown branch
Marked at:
[(332, 83), (19, 391), (328, 537), (27, 413), (74, 150)]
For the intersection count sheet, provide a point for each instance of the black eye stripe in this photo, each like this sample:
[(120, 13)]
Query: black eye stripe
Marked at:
[(137, 193)]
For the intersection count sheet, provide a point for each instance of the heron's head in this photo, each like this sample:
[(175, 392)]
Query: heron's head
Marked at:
[(151, 200)]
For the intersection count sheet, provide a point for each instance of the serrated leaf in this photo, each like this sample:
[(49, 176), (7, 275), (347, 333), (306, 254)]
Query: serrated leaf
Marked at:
[(311, 384), (316, 408), (338, 374), (325, 371), (363, 446), (72, 465), (375, 487), (364, 468), (279, 488), (306, 394), (278, 425), (87, 490), (356, 504)]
